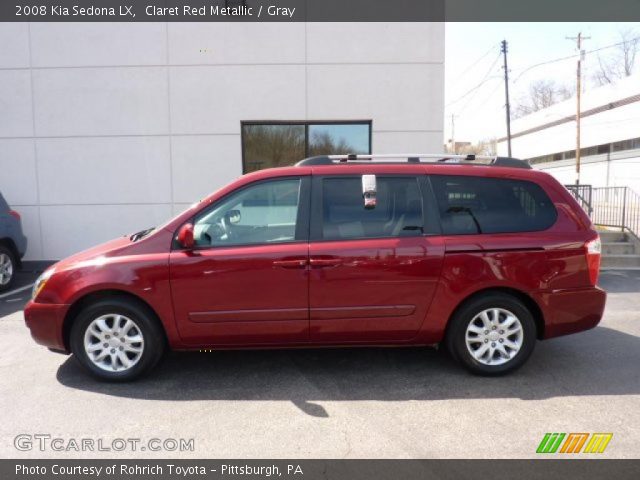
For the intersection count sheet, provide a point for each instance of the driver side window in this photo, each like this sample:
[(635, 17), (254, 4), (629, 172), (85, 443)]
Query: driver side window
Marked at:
[(262, 213)]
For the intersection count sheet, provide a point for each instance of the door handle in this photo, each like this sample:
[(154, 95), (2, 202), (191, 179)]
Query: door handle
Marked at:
[(298, 263), (325, 262)]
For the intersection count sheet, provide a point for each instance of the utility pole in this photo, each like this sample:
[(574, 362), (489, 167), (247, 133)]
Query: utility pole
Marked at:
[(506, 94), (578, 40), (453, 133)]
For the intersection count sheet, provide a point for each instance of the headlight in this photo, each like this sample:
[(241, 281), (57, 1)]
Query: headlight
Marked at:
[(40, 282)]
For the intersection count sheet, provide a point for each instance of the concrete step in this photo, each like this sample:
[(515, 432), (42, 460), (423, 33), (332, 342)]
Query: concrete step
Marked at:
[(615, 261), (618, 248), (608, 236)]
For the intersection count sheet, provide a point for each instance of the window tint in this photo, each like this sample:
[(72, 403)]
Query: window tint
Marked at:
[(470, 205), (262, 213), (398, 211)]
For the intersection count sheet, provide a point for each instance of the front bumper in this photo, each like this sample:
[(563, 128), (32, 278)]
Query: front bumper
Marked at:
[(571, 311), (46, 324)]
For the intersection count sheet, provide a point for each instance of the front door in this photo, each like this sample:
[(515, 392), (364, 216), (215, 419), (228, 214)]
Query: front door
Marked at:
[(373, 272), (246, 281)]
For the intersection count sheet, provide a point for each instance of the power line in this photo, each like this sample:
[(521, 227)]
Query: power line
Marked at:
[(568, 57), (614, 45), (543, 63), (491, 94), (482, 82), (464, 107), (488, 77), (466, 70)]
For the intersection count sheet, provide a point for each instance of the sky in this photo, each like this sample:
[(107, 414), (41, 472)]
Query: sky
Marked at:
[(472, 57)]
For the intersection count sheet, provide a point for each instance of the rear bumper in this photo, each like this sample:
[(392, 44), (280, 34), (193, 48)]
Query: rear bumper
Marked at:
[(45, 321), (571, 311)]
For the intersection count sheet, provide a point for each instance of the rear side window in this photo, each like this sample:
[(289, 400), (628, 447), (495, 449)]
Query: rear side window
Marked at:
[(471, 205), (398, 212)]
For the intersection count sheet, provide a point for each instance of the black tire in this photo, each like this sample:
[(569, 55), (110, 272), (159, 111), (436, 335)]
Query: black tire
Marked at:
[(145, 321), (14, 267), (456, 334)]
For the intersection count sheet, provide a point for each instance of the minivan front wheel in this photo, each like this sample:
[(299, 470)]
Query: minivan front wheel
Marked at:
[(492, 335), (116, 339)]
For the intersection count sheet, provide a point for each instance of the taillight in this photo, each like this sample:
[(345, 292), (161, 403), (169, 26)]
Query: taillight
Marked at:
[(593, 250), (14, 214)]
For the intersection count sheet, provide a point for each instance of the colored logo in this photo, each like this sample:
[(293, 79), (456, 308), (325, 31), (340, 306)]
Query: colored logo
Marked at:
[(574, 443)]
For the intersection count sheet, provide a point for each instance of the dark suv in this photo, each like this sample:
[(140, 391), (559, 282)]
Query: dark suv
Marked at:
[(13, 244), (482, 255)]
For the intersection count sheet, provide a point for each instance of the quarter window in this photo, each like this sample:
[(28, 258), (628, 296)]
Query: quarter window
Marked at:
[(471, 205), (398, 211), (263, 213)]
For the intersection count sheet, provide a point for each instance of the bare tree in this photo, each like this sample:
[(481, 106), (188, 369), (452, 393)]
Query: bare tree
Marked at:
[(621, 63), (272, 146), (483, 147), (541, 94), (322, 143)]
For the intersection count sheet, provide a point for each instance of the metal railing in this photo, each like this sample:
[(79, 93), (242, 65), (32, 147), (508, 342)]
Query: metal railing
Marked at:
[(582, 193), (617, 207)]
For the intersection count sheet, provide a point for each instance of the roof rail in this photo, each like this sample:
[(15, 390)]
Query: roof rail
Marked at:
[(433, 158)]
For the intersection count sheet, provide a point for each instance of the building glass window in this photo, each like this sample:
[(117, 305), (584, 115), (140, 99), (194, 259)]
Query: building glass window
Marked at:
[(325, 139), (602, 149), (279, 144)]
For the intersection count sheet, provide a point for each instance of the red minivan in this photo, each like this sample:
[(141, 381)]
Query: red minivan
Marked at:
[(483, 255)]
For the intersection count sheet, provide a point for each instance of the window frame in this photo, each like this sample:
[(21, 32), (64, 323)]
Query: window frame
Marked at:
[(430, 213), (302, 217), (306, 124)]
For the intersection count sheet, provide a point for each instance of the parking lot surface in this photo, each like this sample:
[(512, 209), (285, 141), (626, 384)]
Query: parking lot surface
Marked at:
[(337, 403)]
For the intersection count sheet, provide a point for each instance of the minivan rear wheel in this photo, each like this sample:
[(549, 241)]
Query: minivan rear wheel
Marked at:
[(492, 334), (117, 339), (7, 268)]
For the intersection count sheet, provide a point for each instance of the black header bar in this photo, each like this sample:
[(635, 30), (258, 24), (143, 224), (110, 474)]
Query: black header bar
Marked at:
[(318, 10)]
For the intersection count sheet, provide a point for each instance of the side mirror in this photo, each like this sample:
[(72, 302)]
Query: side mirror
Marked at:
[(232, 217), (369, 189), (185, 236)]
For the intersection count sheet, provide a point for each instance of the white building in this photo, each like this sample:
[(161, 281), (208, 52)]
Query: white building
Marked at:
[(610, 138), (109, 128)]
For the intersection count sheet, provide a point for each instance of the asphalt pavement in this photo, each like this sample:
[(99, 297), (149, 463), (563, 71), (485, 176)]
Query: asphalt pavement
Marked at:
[(331, 403)]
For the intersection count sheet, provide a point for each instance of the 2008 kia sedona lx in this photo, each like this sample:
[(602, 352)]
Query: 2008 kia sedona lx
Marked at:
[(482, 255)]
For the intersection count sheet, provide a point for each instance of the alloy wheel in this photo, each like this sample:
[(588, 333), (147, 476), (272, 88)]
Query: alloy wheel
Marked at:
[(113, 342), (494, 336), (6, 269)]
